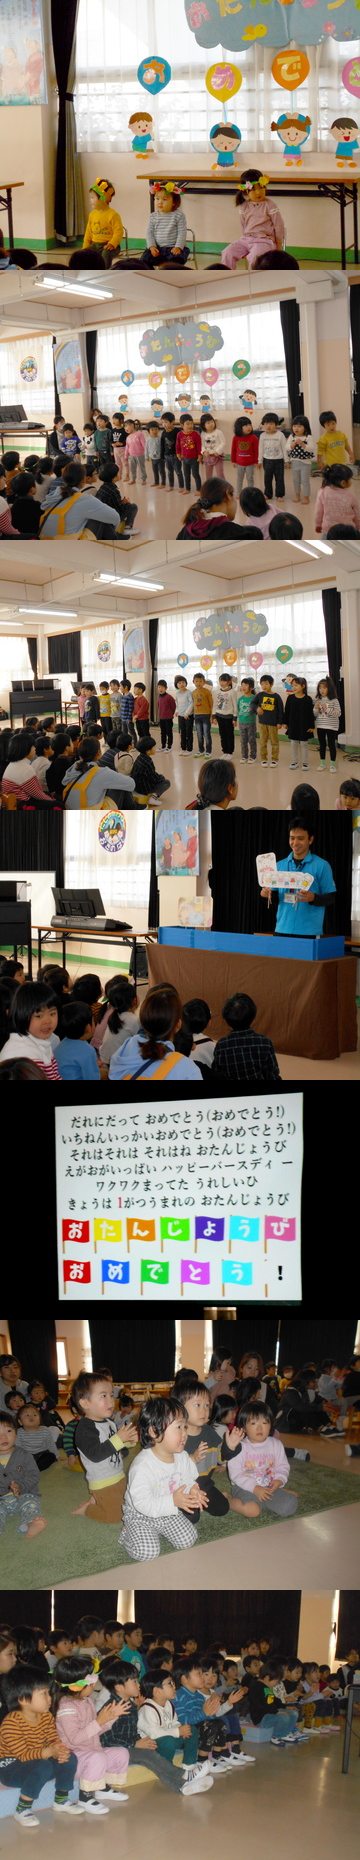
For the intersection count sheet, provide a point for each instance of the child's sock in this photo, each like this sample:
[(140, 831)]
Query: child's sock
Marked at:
[(61, 1795), (24, 1804)]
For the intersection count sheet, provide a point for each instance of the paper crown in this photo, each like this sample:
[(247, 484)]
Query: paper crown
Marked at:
[(164, 187), (104, 189), (262, 180)]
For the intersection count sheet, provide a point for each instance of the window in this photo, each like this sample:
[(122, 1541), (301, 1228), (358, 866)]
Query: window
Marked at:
[(254, 335), (37, 397), (113, 38), (14, 662), (124, 880), (62, 1358), (294, 620), (90, 642)]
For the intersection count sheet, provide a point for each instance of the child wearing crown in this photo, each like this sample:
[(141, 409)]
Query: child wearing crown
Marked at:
[(104, 229), (167, 231), (262, 226)]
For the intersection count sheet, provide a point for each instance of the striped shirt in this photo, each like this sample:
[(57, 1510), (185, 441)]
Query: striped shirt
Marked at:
[(18, 1738)]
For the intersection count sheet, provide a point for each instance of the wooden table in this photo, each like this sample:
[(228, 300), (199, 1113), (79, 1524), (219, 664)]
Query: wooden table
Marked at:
[(6, 193), (78, 935), (338, 186)]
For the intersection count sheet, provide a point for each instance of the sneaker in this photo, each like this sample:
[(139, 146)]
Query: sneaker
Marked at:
[(197, 1785), (219, 1767), (348, 1451), (237, 1760), (243, 1758), (27, 1819), (196, 1769), (331, 1433), (69, 1808), (264, 765), (95, 1807), (113, 1795), (298, 1453), (294, 765), (322, 768), (332, 768)]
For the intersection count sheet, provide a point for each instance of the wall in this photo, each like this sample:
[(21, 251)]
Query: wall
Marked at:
[(192, 1345), (317, 1615), (75, 1333)]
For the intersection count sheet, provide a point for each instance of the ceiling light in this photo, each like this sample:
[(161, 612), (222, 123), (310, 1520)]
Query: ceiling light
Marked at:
[(50, 613), (305, 548), (70, 290), (325, 548), (129, 581)]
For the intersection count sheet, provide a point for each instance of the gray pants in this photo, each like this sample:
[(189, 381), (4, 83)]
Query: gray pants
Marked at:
[(299, 754), (284, 1503), (134, 463), (244, 471), (301, 477), (141, 1536), (248, 740), (167, 1773)]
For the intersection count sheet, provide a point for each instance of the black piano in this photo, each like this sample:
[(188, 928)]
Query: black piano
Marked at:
[(31, 698)]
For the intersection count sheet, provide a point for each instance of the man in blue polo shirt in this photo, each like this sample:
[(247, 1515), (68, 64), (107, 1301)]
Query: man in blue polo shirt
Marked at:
[(301, 913)]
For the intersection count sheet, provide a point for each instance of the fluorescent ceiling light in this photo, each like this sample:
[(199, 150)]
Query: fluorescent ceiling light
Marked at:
[(129, 581), (50, 613), (69, 290), (325, 548), (305, 548)]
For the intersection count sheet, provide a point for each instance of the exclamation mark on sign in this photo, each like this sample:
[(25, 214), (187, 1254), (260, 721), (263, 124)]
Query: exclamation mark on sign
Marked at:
[(280, 1273)]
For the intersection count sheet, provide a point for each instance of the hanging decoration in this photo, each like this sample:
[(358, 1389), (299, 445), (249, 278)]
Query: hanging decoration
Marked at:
[(350, 76), (346, 143), (104, 651), (183, 402), (223, 81), (127, 377), (182, 373), (290, 68), (205, 403), (225, 141), (240, 369), (284, 653), (28, 368), (230, 627), (180, 341), (123, 402), (256, 659), (183, 659), (230, 657), (206, 662), (155, 379), (293, 131), (154, 74), (210, 375), (141, 125), (112, 832), (235, 26), (248, 399), (157, 408)]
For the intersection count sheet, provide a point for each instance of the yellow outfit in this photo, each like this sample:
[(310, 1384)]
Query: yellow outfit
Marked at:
[(203, 701), (104, 227), (333, 449)]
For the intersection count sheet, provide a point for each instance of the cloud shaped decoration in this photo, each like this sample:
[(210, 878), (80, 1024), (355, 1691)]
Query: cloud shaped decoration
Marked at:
[(180, 341), (300, 22), (231, 628)]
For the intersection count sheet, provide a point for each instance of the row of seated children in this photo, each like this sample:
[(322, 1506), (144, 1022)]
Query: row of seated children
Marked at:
[(47, 764), (61, 496)]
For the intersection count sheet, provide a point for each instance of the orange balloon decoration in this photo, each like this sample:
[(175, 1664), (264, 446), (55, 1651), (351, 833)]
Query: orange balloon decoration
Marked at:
[(182, 372), (230, 657), (290, 68)]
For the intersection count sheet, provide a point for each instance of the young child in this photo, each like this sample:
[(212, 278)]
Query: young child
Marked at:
[(225, 711), (105, 707), (203, 704), (300, 451), (335, 502), (188, 450), (114, 688), (154, 452), (262, 226), (166, 709), (104, 228), (98, 1444), (185, 712), (333, 448), (173, 466), (10, 1379), (203, 1444), (166, 231), (69, 441), (150, 1730), (272, 455), (197, 1016), (100, 1772), (119, 440), (349, 796), (299, 719), (257, 1464), (19, 1481), (75, 1056), (134, 451), (257, 509), (147, 779), (123, 1020), (103, 439), (212, 446), (246, 710), (31, 1753), (36, 1438), (126, 707), (244, 451), (140, 716), (88, 440), (38, 1394), (270, 710), (32, 1024), (162, 1484), (243, 1054), (327, 713)]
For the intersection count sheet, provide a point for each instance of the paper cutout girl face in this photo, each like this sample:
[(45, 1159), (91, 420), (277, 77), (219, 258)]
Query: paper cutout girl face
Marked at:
[(293, 131)]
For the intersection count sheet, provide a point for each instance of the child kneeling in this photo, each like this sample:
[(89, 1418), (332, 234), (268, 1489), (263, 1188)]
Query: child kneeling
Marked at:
[(257, 1464), (162, 1484)]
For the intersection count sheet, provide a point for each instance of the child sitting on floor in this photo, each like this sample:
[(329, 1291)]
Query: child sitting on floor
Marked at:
[(257, 1464), (204, 1444), (262, 226), (36, 1438), (31, 1753), (32, 1022), (162, 1484), (150, 1729), (99, 1445), (19, 1481), (100, 1772)]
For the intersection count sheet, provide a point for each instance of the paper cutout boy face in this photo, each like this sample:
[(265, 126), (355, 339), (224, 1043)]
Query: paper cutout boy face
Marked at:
[(141, 125)]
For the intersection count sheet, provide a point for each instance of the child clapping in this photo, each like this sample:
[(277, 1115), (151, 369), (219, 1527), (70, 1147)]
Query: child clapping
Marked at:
[(257, 1464), (162, 1484)]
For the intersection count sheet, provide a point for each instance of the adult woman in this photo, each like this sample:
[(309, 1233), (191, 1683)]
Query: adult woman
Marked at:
[(251, 1366), (20, 775), (213, 513), (151, 1053), (86, 782), (71, 512)]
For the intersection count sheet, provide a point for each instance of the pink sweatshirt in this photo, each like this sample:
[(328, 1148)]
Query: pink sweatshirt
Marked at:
[(260, 219), (135, 445), (258, 1463), (335, 506)]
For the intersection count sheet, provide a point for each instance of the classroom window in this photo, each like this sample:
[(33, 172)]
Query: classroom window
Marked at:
[(295, 620), (122, 880), (14, 663), (255, 335), (37, 397)]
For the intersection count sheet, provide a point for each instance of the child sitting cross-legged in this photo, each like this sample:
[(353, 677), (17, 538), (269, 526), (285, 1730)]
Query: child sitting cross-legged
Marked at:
[(100, 1772), (162, 1484), (35, 1437), (257, 1464), (19, 1481), (149, 1728), (99, 1445), (31, 1751)]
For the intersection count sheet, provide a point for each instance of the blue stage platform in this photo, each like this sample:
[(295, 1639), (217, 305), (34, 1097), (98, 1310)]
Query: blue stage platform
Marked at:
[(295, 948)]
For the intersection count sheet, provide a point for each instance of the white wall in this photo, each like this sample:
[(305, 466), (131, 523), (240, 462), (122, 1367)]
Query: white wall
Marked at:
[(75, 1333), (317, 1615)]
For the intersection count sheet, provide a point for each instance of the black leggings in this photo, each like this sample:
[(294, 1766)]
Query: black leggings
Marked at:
[(189, 466), (158, 470), (226, 733), (218, 1503), (327, 737)]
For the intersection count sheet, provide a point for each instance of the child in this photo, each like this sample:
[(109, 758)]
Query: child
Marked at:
[(152, 1733), (32, 1025), (88, 441), (272, 455), (75, 1056), (169, 457), (270, 710), (300, 451), (244, 451), (333, 448), (141, 710), (69, 441), (203, 703), (213, 515), (31, 1752), (243, 1054), (188, 449), (225, 711), (103, 440), (299, 719), (126, 706), (185, 712), (196, 1016), (10, 1378), (246, 710), (104, 228), (123, 1019), (35, 1438), (53, 437), (263, 1706), (105, 707), (19, 1481), (262, 226), (114, 689), (119, 440), (78, 1726), (38, 1394), (257, 1464), (166, 230), (327, 712), (134, 452), (335, 502), (152, 1053), (92, 706), (166, 709), (99, 1445), (147, 779), (212, 446), (203, 1444), (258, 510), (349, 796), (153, 452), (162, 1483), (223, 1413)]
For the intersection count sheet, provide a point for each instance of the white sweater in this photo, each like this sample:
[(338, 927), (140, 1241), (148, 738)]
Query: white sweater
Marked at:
[(225, 703), (213, 444), (158, 1720), (151, 1482)]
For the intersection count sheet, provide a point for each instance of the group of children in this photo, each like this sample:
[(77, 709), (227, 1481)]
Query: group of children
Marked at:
[(262, 229), (231, 706), (81, 1031)]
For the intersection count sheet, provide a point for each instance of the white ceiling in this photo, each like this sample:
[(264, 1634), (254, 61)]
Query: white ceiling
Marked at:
[(27, 303)]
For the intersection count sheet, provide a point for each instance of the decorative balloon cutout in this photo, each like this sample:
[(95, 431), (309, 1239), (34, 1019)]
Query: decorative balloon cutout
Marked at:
[(104, 651), (183, 658), (256, 659), (154, 74), (350, 76), (293, 131), (206, 661), (181, 341), (236, 26), (223, 81), (346, 143), (155, 379), (225, 140), (230, 628), (210, 375), (112, 832), (127, 377), (284, 653), (240, 369), (182, 373), (230, 657), (290, 68)]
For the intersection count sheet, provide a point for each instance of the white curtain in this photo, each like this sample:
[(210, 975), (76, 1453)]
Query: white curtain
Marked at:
[(92, 666), (14, 663), (113, 39), (294, 620), (123, 879), (37, 397), (253, 335)]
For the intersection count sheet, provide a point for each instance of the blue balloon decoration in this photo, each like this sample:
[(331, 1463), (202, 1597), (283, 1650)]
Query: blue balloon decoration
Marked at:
[(154, 74)]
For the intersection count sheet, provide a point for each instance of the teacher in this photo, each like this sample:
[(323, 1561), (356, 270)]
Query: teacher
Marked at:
[(301, 913)]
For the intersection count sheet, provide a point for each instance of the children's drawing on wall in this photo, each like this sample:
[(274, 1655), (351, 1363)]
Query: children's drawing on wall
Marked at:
[(22, 60), (134, 651), (177, 843)]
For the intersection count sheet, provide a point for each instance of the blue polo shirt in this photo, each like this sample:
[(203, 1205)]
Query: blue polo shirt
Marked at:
[(300, 918), (189, 1706)]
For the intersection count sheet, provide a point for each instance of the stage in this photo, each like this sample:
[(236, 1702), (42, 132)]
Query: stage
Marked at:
[(305, 1008)]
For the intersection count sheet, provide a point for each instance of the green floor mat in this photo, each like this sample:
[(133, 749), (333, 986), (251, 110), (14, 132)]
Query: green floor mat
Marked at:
[(72, 1548)]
